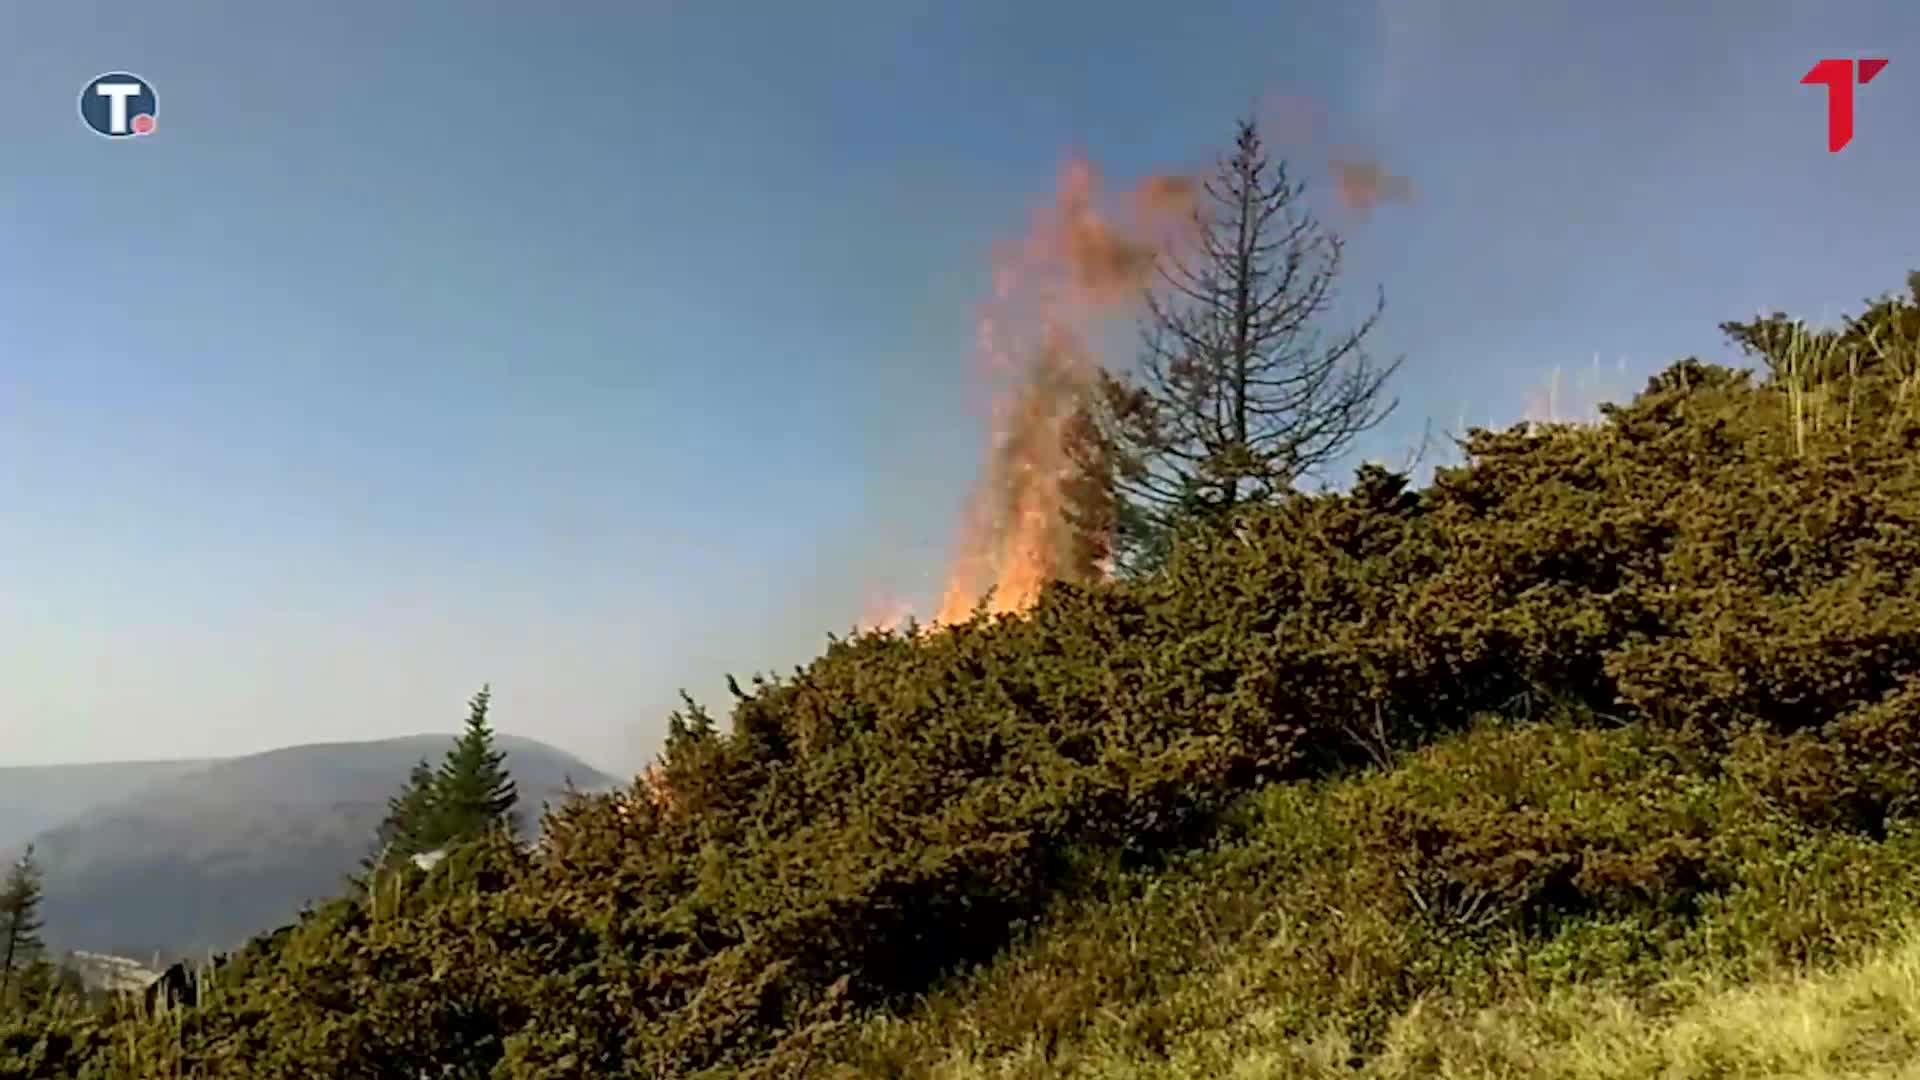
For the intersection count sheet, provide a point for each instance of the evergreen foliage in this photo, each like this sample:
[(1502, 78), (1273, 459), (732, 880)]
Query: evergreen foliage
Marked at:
[(20, 923), (408, 829), (470, 794), (473, 792), (1721, 579)]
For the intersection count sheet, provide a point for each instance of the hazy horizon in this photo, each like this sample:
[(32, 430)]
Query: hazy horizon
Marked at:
[(506, 737), (600, 352)]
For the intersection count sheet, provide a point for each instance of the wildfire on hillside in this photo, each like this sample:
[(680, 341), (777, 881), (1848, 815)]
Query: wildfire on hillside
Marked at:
[(1033, 514), (1079, 262)]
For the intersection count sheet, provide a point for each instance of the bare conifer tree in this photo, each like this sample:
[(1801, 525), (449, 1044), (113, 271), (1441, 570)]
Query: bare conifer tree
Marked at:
[(1239, 393)]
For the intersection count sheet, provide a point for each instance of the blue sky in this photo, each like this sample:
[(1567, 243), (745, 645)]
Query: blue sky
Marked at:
[(600, 352)]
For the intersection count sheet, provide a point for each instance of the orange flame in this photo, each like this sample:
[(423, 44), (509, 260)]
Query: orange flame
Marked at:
[(651, 786), (1075, 266), (1360, 181), (1026, 523), (1363, 185)]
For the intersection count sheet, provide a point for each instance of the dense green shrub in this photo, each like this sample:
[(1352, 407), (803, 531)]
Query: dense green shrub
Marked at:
[(1731, 560), (49, 1045), (1292, 932), (1527, 825)]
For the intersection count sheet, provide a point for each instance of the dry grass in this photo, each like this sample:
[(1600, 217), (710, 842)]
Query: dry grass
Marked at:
[(1816, 371), (1863, 1022), (1561, 398), (1859, 1022), (1576, 399)]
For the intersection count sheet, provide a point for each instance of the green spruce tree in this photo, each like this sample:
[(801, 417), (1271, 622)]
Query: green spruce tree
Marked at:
[(474, 793), (410, 826), (470, 794), (20, 925)]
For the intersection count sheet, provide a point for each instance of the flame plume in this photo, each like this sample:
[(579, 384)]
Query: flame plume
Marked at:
[(1075, 266)]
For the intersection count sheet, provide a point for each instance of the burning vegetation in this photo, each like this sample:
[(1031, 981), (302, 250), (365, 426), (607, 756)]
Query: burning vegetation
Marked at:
[(1237, 392), (1043, 508)]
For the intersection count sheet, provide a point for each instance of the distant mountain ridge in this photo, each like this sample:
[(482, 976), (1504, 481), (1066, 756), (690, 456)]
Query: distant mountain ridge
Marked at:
[(38, 797), (201, 856)]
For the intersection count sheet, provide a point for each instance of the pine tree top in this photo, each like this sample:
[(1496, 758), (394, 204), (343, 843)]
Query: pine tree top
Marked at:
[(20, 896), (476, 792)]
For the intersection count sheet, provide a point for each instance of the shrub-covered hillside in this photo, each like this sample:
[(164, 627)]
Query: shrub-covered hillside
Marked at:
[(1312, 940), (1726, 570)]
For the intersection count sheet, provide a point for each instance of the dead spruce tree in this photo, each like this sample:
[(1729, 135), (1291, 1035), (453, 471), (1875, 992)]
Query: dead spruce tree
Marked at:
[(1238, 392)]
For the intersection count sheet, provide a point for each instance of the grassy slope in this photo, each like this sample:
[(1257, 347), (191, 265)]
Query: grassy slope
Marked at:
[(1283, 950)]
